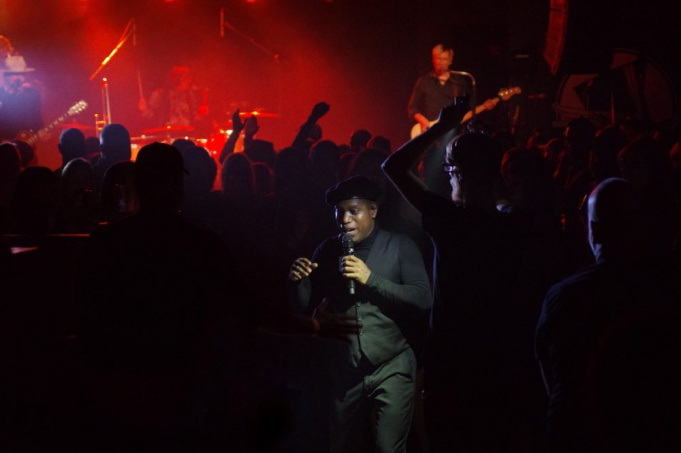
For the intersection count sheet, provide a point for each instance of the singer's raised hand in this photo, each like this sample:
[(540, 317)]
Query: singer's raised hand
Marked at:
[(356, 269), (334, 326), (301, 267)]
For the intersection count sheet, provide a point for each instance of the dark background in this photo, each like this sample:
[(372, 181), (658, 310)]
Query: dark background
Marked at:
[(360, 56)]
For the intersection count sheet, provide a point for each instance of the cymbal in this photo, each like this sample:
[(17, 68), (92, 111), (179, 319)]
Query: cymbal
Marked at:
[(259, 114), (82, 127), (161, 129)]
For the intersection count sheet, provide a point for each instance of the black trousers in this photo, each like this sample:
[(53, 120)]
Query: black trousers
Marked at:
[(373, 405)]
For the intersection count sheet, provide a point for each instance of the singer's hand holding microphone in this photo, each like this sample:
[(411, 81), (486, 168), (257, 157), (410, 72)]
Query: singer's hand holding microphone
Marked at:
[(355, 269), (352, 268)]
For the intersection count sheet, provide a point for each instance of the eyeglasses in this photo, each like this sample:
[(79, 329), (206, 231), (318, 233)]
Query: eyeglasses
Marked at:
[(451, 169)]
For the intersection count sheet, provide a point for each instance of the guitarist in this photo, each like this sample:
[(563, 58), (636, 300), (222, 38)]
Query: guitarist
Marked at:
[(437, 89), (20, 104), (432, 92)]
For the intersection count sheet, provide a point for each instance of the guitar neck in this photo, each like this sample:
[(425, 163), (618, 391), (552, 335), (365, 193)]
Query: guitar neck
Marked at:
[(74, 110), (503, 95), (34, 138)]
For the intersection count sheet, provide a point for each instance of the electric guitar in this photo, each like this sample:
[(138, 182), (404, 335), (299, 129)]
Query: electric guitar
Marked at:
[(32, 137), (503, 95)]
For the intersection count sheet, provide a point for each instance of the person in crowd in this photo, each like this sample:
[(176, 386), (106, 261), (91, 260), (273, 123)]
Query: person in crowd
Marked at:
[(575, 180), (310, 132), (26, 152), (381, 143), (646, 165), (71, 146), (114, 144), (381, 285), (157, 290), (10, 168), (77, 204), (92, 149), (359, 140), (200, 176), (478, 365), (552, 152), (263, 179), (608, 338), (261, 151), (35, 202), (118, 198), (249, 127), (238, 182), (182, 143), (324, 171), (285, 218)]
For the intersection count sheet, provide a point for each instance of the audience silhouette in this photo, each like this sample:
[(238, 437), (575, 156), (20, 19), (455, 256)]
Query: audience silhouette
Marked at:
[(172, 265)]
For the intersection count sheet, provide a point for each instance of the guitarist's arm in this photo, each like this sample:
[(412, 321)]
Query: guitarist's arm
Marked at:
[(503, 95), (489, 104), (415, 101)]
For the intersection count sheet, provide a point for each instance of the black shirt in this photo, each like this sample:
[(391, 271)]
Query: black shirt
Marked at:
[(478, 258), (608, 343), (429, 96)]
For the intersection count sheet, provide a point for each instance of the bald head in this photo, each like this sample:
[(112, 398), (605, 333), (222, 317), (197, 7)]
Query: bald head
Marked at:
[(71, 144), (617, 220), (114, 142), (614, 201)]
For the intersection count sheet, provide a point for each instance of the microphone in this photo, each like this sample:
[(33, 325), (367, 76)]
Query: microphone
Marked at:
[(474, 98), (465, 74), (349, 249)]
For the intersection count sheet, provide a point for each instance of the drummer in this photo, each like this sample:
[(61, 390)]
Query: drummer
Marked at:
[(177, 105)]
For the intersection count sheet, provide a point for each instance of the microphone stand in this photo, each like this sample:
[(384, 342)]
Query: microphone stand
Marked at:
[(475, 95), (127, 33), (225, 24)]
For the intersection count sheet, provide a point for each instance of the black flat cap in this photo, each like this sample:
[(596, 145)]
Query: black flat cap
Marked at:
[(355, 187)]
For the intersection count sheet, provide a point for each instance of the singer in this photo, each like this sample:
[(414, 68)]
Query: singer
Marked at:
[(374, 371)]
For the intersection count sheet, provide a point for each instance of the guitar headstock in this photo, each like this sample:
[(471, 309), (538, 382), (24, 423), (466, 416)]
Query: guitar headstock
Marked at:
[(507, 93), (77, 108)]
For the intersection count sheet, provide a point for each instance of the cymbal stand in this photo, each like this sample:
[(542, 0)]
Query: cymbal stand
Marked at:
[(130, 31), (474, 95), (106, 108)]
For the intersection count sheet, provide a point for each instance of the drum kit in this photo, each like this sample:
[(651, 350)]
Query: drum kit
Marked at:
[(213, 143)]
